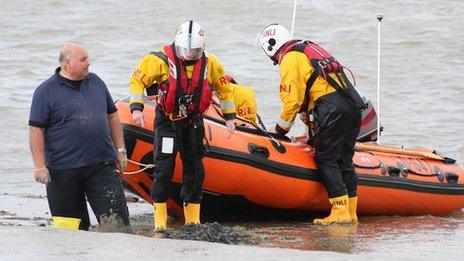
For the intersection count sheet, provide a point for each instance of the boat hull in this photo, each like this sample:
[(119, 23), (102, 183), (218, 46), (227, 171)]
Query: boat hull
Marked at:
[(249, 167)]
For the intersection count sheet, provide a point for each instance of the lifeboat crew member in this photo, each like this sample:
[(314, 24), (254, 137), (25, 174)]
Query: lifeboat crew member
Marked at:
[(312, 80), (185, 72), (245, 102)]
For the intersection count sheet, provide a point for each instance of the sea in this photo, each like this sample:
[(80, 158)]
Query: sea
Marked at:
[(421, 89)]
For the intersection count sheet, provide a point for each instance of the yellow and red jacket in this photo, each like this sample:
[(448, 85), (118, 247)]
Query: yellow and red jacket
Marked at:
[(245, 102), (153, 69), (295, 70), (179, 87)]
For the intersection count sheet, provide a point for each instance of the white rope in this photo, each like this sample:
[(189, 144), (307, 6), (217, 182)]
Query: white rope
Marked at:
[(141, 164), (145, 166)]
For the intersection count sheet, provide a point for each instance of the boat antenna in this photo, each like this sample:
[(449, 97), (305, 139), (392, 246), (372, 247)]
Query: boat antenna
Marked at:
[(293, 18), (379, 18)]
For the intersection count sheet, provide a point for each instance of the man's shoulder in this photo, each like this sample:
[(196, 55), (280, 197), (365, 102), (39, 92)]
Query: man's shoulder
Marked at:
[(293, 57), (212, 59), (154, 57), (296, 54), (94, 76), (211, 56), (94, 79), (49, 83)]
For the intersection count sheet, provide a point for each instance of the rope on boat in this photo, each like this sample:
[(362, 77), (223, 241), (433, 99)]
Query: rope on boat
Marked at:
[(145, 167)]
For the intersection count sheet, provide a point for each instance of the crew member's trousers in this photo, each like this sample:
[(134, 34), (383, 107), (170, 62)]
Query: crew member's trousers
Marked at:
[(337, 127), (100, 183), (184, 136)]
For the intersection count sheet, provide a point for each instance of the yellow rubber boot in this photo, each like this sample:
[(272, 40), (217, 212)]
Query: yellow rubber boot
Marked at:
[(353, 202), (192, 213), (66, 222), (160, 216), (339, 214)]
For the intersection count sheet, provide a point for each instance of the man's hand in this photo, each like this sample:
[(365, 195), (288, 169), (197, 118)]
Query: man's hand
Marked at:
[(230, 126), (137, 118), (122, 160), (42, 175)]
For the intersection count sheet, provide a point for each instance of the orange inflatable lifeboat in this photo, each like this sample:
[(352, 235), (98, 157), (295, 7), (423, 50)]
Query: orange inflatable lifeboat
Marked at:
[(254, 167)]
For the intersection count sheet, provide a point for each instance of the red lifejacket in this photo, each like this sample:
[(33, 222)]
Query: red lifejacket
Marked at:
[(178, 90), (324, 63)]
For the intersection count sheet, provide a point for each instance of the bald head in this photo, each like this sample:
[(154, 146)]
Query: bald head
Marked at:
[(68, 50), (74, 61)]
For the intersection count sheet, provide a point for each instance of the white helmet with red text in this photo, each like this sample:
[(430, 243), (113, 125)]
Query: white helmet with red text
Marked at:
[(190, 41), (272, 38)]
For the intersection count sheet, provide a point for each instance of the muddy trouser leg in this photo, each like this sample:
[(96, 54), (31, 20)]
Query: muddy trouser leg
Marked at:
[(165, 158), (332, 123), (192, 165), (346, 161), (65, 195), (105, 193)]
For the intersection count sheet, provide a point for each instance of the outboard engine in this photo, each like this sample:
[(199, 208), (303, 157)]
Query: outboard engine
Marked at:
[(368, 130)]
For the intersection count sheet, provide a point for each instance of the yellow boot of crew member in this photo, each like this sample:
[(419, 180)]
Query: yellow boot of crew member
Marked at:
[(192, 213), (339, 214), (353, 202), (66, 223), (160, 216)]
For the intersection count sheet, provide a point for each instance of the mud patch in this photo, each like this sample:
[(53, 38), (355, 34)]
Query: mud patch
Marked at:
[(112, 222), (210, 232)]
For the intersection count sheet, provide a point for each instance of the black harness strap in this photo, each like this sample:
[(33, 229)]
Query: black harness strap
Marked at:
[(344, 91), (153, 89), (323, 68), (162, 56), (312, 78), (309, 84)]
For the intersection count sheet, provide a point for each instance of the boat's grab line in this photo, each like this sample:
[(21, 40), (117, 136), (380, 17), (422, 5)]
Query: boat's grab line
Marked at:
[(308, 174), (145, 167)]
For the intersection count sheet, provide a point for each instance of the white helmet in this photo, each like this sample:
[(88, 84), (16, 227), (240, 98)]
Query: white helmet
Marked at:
[(189, 41), (272, 38)]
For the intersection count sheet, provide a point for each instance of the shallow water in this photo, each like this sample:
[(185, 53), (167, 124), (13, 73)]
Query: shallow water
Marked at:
[(421, 97)]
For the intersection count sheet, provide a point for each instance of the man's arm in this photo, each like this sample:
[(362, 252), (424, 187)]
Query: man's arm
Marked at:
[(291, 89), (37, 146), (116, 130), (118, 140), (150, 69), (225, 90)]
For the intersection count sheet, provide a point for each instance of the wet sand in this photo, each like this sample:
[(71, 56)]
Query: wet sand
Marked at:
[(430, 237), (25, 243)]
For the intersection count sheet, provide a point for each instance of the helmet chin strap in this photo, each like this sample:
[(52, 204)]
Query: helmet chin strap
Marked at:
[(190, 62), (276, 57)]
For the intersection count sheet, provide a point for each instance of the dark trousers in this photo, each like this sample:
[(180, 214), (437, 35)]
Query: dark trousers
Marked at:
[(337, 127), (100, 183), (187, 136)]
